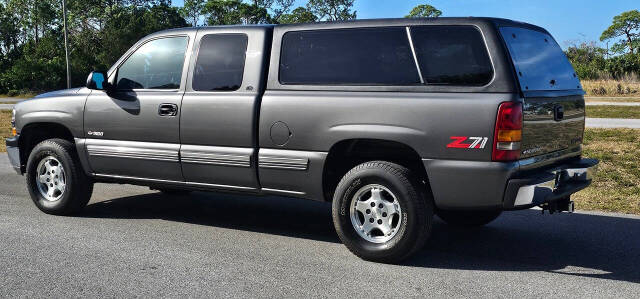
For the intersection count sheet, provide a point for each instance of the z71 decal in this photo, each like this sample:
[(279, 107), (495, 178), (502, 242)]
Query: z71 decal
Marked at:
[(468, 142)]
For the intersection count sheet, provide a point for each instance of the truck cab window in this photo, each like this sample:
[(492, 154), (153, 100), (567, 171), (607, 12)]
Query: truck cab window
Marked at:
[(362, 56), (155, 65), (452, 55), (220, 63)]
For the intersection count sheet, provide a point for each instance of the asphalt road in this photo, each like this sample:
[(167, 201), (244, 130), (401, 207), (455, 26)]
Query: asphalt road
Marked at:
[(134, 242)]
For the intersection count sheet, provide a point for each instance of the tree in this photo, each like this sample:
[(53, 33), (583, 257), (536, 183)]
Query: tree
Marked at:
[(192, 10), (231, 12), (298, 15), (332, 10), (626, 26), (8, 31), (424, 11), (588, 59), (275, 8)]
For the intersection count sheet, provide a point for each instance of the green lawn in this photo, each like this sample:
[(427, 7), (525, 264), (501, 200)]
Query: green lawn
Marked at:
[(613, 111), (616, 186)]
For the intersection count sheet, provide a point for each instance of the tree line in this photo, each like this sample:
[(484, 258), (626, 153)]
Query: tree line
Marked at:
[(100, 31), (619, 61)]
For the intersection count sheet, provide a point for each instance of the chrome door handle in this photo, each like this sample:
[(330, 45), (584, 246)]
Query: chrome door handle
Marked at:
[(168, 110)]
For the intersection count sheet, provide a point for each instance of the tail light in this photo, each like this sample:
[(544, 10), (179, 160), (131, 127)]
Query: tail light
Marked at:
[(508, 133)]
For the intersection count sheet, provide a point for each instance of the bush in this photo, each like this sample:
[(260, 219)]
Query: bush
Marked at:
[(622, 65)]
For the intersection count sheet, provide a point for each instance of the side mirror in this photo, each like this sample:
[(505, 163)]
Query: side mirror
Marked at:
[(98, 81)]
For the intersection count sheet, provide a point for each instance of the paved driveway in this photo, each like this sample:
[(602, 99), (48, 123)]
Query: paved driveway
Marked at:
[(133, 242), (612, 123)]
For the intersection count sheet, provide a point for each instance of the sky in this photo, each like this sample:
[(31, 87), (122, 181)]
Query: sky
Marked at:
[(569, 21)]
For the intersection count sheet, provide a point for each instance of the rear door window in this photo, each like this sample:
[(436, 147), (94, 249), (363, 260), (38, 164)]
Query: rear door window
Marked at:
[(220, 62), (362, 56), (453, 55), (539, 61)]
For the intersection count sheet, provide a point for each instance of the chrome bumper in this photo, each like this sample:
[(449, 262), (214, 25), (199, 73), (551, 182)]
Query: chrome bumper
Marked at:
[(550, 185), (13, 152)]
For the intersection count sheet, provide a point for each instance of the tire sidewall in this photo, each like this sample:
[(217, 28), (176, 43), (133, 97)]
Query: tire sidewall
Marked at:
[(40, 152), (342, 203)]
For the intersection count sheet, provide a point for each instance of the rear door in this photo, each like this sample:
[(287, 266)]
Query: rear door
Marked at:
[(219, 109), (554, 113)]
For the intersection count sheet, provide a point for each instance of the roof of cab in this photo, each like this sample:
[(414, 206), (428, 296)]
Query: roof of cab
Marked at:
[(365, 23)]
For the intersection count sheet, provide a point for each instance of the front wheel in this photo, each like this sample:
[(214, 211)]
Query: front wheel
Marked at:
[(55, 179), (381, 212)]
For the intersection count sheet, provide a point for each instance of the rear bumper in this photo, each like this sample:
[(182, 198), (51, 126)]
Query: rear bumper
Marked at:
[(549, 185), (479, 185), (14, 153)]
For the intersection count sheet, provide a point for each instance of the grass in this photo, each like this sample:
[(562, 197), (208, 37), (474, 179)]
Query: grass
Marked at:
[(612, 99), (617, 88), (5, 128), (616, 186), (26, 95), (613, 111)]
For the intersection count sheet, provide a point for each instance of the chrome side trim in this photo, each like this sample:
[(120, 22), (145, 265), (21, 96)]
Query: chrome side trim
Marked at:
[(280, 162), (215, 159), (133, 150), (283, 191), (218, 186), (124, 177), (216, 155), (214, 186)]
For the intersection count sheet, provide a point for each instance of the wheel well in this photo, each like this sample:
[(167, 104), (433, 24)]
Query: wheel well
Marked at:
[(32, 134), (345, 155)]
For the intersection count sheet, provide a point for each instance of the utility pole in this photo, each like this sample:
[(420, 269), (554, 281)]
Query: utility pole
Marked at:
[(66, 44)]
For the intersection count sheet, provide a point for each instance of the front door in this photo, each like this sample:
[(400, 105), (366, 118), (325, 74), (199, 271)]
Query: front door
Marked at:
[(133, 131)]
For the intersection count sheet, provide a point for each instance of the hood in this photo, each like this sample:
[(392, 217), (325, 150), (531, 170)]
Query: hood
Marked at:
[(58, 93)]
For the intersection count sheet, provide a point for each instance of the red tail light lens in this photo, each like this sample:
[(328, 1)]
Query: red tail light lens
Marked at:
[(508, 133)]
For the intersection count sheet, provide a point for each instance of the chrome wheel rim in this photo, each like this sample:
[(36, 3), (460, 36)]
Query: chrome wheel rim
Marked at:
[(375, 213), (51, 178)]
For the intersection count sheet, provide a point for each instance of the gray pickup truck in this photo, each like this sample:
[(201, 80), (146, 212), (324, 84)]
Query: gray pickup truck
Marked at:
[(393, 121)]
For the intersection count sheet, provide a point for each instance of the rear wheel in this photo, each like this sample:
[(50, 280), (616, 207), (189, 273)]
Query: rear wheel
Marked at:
[(468, 218), (381, 212), (55, 179)]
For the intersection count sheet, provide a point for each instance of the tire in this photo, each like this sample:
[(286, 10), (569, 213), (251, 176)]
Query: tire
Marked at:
[(175, 192), (468, 218), (410, 224), (59, 154)]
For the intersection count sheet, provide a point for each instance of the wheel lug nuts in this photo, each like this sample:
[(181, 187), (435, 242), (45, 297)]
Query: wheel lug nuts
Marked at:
[(371, 220), (373, 204), (384, 214), (380, 206), (379, 221), (368, 211)]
